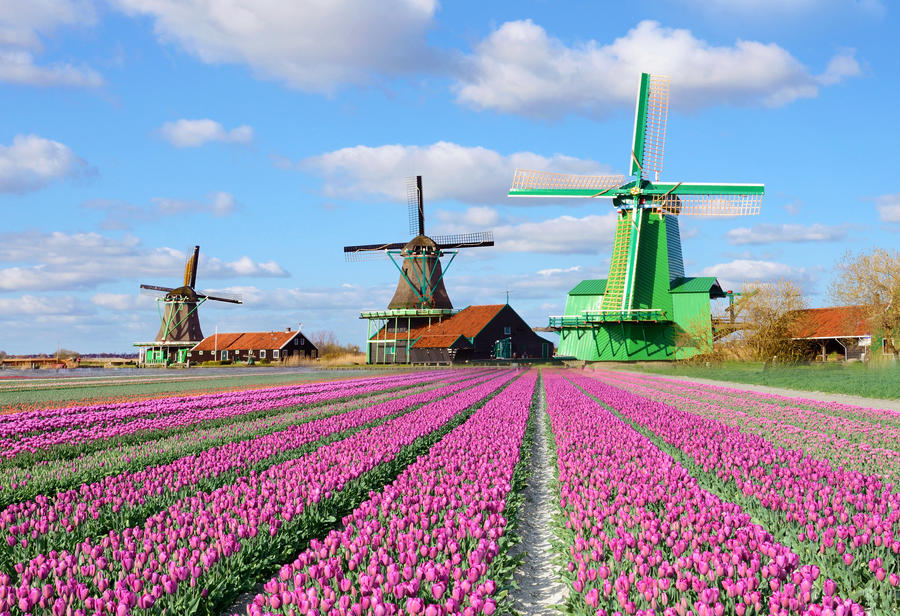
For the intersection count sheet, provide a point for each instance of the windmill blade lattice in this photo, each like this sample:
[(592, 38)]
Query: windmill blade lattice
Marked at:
[(465, 240), (526, 180), (709, 205), (655, 124), (413, 201)]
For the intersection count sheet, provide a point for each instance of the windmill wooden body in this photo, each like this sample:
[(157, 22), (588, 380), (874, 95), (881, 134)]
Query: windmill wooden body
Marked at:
[(646, 309), (179, 328), (420, 297)]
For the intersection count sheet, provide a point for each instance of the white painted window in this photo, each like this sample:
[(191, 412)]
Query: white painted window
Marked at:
[(275, 354), (262, 354)]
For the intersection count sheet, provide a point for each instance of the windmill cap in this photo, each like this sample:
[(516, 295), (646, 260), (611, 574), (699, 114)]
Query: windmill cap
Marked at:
[(184, 291), (419, 244)]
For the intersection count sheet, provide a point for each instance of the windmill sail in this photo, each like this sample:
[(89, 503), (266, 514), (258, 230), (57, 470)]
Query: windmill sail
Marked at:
[(527, 183), (709, 205)]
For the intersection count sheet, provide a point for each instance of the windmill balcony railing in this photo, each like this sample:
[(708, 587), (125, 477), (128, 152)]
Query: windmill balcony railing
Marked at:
[(592, 317), (406, 312)]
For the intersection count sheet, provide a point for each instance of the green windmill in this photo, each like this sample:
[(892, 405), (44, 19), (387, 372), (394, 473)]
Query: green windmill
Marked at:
[(646, 309)]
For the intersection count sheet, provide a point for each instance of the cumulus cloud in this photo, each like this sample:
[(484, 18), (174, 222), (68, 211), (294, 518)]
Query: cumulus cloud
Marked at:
[(312, 46), (41, 305), (32, 162), (22, 23), (61, 261), (346, 297), (519, 68), (121, 215), (562, 235), (889, 207), (194, 133), (19, 67), (735, 273), (769, 234), (122, 301), (362, 171)]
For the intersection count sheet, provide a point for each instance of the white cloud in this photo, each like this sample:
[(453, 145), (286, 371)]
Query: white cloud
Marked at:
[(841, 66), (313, 46), (346, 297), (889, 207), (734, 274), (362, 171), (563, 235), (121, 215), (60, 261), (193, 133), (768, 233), (18, 67), (122, 301), (32, 162), (21, 24), (41, 305), (519, 68)]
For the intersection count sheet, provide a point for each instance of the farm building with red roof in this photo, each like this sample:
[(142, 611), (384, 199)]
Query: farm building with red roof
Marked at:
[(261, 346), (843, 330), (474, 333)]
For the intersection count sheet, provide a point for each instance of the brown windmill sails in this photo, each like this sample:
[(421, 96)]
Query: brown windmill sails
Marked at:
[(422, 277)]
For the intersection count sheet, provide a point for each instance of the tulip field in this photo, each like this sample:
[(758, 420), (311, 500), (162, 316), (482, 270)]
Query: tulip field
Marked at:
[(403, 493)]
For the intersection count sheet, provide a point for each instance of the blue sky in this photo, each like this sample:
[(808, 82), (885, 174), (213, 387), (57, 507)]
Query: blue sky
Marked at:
[(274, 133)]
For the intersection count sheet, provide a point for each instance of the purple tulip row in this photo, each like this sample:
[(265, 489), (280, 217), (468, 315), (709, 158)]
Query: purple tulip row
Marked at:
[(47, 477), (85, 425), (645, 538), (846, 522), (69, 417), (204, 545), (861, 445), (60, 521), (426, 542), (877, 416)]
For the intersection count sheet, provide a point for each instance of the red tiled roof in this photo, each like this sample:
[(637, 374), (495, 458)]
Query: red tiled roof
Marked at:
[(834, 322), (245, 341), (467, 322), (442, 341)]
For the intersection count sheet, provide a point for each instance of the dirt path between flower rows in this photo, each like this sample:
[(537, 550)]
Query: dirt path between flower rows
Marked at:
[(875, 403), (540, 590)]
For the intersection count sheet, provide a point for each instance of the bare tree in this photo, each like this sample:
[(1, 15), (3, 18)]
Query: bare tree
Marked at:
[(327, 343), (871, 280), (771, 309)]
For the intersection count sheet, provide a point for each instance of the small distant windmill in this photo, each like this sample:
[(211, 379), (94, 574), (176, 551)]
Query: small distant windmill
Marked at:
[(421, 296), (421, 284), (636, 304), (179, 321)]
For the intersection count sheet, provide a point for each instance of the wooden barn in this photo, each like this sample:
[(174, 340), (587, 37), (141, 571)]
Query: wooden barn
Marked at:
[(261, 346), (474, 333)]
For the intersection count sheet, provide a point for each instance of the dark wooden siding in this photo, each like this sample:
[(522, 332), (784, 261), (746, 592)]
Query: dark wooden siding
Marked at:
[(525, 343)]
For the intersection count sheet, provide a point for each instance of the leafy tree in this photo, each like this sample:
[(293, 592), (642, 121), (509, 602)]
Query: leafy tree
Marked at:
[(871, 280)]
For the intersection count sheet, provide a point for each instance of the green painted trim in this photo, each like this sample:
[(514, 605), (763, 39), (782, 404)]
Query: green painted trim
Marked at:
[(640, 126), (685, 188), (649, 188)]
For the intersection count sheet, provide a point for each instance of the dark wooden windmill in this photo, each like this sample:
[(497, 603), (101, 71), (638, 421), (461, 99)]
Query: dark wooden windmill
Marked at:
[(179, 327), (420, 297), (421, 284)]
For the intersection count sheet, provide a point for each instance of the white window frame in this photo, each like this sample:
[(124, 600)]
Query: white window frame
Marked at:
[(275, 354), (262, 353), (224, 355)]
